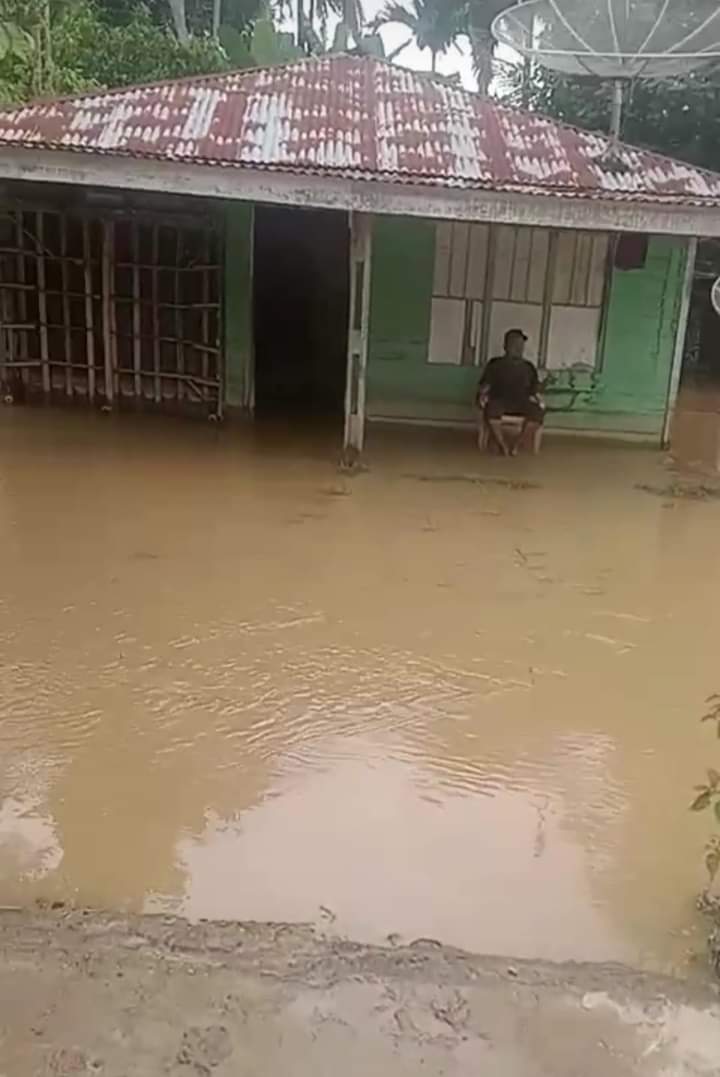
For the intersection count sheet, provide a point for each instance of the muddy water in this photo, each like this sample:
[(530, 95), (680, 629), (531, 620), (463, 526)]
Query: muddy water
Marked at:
[(239, 684), (696, 430)]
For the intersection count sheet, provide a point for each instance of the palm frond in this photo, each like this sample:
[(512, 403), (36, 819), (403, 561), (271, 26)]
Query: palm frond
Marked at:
[(399, 50), (351, 12), (395, 13)]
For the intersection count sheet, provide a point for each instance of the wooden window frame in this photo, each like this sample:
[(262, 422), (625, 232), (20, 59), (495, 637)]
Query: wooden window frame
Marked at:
[(475, 352)]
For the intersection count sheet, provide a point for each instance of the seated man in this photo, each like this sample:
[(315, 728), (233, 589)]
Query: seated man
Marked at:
[(510, 386)]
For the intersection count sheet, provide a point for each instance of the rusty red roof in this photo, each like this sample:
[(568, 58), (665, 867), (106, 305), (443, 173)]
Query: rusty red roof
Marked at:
[(354, 117)]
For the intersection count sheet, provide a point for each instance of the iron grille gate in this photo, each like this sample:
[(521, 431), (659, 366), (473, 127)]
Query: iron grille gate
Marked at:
[(111, 311)]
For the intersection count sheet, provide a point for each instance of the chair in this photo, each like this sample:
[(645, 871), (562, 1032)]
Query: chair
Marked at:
[(513, 423)]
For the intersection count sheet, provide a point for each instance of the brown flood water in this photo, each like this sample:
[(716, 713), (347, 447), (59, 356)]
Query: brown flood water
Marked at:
[(237, 683)]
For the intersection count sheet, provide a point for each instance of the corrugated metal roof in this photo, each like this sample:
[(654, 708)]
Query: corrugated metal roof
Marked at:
[(360, 118)]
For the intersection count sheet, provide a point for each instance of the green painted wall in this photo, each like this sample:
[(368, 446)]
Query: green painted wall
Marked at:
[(626, 395), (631, 386), (401, 382), (238, 304)]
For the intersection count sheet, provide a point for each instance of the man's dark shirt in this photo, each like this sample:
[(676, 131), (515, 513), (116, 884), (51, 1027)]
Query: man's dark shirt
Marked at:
[(511, 380)]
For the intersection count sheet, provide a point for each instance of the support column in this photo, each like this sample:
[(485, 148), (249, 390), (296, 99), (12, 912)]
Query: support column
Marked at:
[(680, 335), (239, 354), (358, 333), (108, 310)]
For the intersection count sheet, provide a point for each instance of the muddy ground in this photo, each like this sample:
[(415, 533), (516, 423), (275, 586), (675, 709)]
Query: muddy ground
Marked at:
[(124, 997)]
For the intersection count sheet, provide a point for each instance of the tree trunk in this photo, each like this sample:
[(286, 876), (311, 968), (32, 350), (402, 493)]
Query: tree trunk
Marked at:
[(300, 33), (42, 63), (216, 16), (433, 61), (482, 44), (179, 17), (351, 17)]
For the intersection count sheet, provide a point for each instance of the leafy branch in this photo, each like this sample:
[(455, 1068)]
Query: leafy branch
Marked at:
[(707, 795), (713, 714)]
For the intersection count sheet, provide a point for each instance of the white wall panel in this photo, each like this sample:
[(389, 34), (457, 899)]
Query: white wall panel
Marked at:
[(447, 330), (573, 340)]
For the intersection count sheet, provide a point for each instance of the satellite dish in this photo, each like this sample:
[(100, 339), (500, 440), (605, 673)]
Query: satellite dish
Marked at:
[(715, 295), (614, 39)]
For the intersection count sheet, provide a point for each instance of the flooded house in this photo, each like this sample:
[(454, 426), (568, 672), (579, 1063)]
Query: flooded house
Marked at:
[(339, 237)]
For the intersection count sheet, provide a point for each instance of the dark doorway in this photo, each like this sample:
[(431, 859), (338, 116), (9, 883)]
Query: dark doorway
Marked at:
[(301, 311)]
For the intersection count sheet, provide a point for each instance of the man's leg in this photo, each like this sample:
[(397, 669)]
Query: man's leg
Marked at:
[(498, 434), (532, 436), (482, 430), (532, 430), (494, 411)]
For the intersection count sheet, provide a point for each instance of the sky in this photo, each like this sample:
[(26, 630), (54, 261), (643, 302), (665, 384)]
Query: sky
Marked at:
[(456, 61)]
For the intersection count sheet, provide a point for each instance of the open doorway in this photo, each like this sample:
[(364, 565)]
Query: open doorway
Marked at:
[(301, 304)]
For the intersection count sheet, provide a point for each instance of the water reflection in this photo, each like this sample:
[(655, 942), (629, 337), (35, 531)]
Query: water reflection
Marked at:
[(30, 848), (369, 845)]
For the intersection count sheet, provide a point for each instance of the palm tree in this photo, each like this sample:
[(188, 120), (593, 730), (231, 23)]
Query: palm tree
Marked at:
[(312, 16), (352, 16), (433, 24), (479, 16)]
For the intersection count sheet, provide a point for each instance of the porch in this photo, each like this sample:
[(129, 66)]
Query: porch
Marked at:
[(204, 308), (604, 312)]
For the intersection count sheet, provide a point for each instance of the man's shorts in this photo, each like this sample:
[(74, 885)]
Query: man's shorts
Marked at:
[(529, 410)]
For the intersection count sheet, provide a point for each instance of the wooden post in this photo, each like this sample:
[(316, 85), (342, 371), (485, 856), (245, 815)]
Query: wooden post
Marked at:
[(136, 316), (179, 346), (680, 334), (484, 342), (42, 301), (156, 315), (6, 318), (548, 295), (108, 313), (89, 312), (355, 388), (20, 305), (62, 220), (207, 255)]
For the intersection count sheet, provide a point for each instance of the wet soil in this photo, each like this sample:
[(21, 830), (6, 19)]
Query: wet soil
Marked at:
[(85, 993)]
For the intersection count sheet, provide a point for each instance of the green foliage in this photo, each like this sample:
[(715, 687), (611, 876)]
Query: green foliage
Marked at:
[(678, 117), (240, 14), (260, 47), (15, 42), (94, 44), (85, 50), (99, 53), (713, 715), (17, 51), (707, 795)]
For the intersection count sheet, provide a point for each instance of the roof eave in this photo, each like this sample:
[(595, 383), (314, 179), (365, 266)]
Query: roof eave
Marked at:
[(412, 196)]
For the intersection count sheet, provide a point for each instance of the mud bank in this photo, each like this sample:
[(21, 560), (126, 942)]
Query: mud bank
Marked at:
[(90, 993)]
